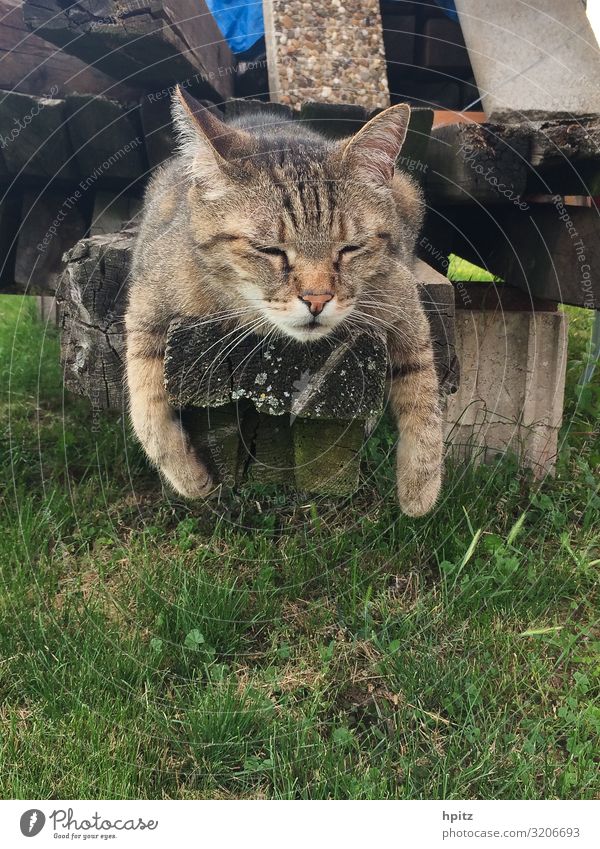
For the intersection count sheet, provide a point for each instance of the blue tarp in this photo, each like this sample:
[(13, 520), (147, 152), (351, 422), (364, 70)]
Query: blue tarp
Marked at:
[(240, 22), (449, 7)]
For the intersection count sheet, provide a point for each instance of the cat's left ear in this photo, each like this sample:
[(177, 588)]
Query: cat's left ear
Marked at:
[(208, 144), (373, 151)]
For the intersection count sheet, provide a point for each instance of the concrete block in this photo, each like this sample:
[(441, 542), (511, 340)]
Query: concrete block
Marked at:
[(511, 393), (531, 59)]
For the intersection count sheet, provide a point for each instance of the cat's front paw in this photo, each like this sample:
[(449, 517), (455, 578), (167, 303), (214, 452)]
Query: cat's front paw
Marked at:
[(418, 493), (189, 476)]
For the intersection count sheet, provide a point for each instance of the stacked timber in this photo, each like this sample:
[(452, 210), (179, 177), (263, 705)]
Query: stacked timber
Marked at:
[(31, 65), (517, 200), (84, 116)]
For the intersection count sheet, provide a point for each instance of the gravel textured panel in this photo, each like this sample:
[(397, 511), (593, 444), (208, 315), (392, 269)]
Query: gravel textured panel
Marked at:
[(332, 53)]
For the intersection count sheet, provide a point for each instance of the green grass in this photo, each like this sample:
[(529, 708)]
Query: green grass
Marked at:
[(285, 648), (460, 269)]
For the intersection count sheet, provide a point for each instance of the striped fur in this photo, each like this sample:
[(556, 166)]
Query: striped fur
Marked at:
[(270, 228)]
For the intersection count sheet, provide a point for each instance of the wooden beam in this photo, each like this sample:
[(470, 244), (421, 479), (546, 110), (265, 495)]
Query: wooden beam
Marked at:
[(50, 224), (477, 162), (550, 251), (106, 137), (35, 142)]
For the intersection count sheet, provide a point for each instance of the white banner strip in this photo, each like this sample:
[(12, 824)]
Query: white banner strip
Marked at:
[(310, 825)]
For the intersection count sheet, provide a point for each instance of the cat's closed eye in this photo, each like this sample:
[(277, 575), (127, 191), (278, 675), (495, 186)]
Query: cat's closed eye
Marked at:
[(346, 250), (270, 250)]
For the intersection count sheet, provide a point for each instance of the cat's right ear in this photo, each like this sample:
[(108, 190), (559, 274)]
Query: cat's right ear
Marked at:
[(208, 145)]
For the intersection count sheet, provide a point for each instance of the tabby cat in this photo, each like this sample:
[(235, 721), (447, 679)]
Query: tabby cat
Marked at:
[(263, 222)]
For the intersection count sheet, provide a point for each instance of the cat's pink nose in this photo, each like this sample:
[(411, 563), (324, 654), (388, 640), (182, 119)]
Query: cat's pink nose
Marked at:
[(315, 301)]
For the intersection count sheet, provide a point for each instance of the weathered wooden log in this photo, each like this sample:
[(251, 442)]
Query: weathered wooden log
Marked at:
[(31, 65), (299, 412), (565, 157), (153, 44), (92, 298), (341, 377)]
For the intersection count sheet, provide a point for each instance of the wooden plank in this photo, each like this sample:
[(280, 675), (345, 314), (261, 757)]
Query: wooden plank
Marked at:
[(157, 125), (106, 137), (152, 44), (155, 114), (112, 211), (477, 162), (550, 251), (497, 297), (338, 120)]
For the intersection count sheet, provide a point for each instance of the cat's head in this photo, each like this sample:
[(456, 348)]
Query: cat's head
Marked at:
[(300, 230)]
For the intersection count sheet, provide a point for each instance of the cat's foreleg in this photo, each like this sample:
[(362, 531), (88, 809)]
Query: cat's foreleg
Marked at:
[(154, 421), (414, 400)]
